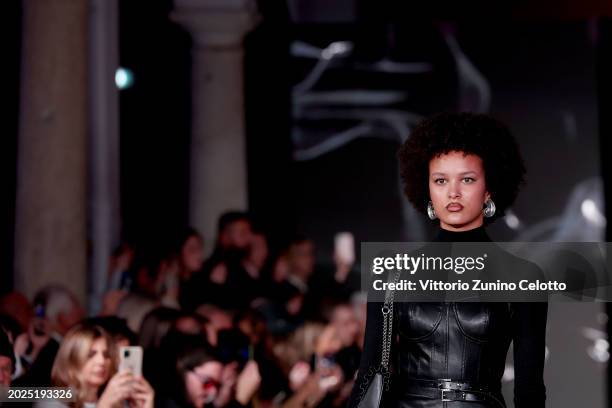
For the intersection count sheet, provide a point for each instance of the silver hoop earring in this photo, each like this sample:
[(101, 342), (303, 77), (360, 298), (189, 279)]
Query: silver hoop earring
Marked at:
[(430, 211), (489, 209)]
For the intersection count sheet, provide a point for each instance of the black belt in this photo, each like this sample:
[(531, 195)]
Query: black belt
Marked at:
[(447, 390)]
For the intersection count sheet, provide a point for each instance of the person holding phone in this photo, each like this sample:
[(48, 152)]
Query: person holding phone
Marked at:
[(197, 378), (87, 362)]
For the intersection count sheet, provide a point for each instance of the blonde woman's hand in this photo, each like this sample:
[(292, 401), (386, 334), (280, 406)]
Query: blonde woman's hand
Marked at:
[(142, 393), (118, 389)]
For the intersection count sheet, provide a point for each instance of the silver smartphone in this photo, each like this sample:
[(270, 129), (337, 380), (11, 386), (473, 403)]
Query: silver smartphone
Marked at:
[(130, 358)]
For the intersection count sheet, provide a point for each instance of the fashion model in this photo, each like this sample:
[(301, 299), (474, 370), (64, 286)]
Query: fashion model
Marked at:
[(462, 170)]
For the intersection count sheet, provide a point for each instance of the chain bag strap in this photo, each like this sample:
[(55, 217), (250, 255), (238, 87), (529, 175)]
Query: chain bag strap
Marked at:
[(380, 381)]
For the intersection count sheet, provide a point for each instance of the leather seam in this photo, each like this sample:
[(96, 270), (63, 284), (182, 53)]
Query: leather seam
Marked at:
[(435, 326), (481, 341), (463, 359)]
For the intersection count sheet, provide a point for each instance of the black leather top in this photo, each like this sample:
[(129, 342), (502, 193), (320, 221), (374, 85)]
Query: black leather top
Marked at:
[(464, 342)]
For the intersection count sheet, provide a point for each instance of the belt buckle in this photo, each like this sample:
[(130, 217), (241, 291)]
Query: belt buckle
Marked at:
[(442, 396), (444, 389)]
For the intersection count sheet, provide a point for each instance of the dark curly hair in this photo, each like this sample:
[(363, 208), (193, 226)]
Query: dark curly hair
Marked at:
[(470, 133)]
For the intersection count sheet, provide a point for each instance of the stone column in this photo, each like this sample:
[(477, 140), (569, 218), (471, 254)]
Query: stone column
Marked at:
[(50, 225), (218, 146), (104, 190)]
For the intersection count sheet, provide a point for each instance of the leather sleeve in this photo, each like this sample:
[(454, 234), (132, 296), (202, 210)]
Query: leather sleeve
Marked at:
[(529, 339), (371, 354)]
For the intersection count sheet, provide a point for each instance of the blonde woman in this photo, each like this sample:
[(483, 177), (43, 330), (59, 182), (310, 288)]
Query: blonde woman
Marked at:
[(86, 362)]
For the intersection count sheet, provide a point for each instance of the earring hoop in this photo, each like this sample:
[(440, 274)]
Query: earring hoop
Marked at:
[(489, 208), (430, 211)]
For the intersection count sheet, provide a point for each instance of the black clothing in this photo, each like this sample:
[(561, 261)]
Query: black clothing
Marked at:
[(324, 289), (39, 373), (464, 342), (237, 292)]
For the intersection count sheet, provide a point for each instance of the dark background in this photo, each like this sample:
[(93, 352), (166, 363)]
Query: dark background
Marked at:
[(542, 73)]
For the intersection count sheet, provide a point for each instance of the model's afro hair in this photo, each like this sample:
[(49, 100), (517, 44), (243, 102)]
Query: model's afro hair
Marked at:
[(469, 133)]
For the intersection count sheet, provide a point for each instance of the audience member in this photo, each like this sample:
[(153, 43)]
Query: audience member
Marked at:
[(198, 378), (217, 319), (87, 361), (236, 330), (223, 279), (119, 268), (56, 311)]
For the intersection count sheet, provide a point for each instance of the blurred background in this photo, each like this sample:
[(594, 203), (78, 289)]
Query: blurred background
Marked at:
[(126, 122)]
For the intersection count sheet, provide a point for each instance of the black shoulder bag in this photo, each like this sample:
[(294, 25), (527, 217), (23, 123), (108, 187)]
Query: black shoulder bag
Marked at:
[(380, 382)]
